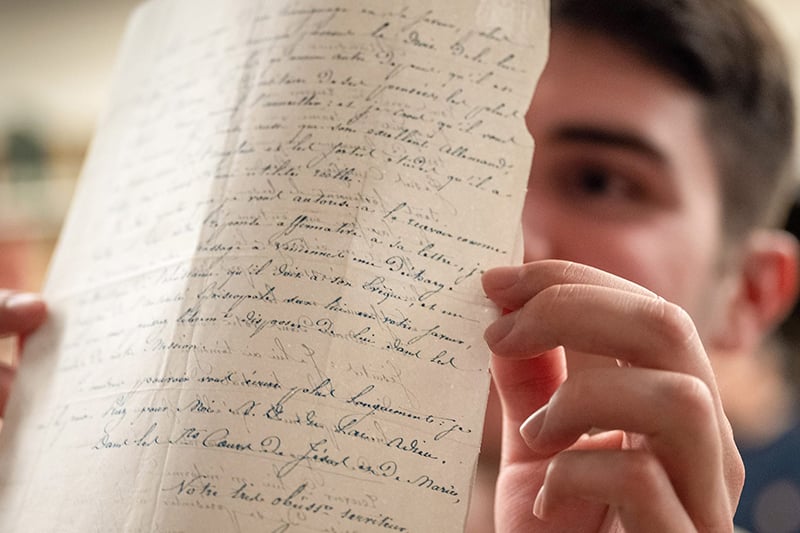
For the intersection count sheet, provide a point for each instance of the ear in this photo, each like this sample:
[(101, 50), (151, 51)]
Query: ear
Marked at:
[(764, 292)]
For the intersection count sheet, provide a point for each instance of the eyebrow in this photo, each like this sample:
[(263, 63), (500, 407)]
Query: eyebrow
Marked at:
[(615, 138)]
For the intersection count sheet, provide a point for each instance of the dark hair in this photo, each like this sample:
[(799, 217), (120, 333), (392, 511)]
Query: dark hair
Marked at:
[(725, 51)]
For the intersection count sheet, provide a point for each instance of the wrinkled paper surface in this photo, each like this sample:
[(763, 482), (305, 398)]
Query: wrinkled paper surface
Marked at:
[(266, 312)]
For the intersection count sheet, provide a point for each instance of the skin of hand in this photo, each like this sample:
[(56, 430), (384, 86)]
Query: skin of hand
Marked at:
[(661, 457), (20, 314)]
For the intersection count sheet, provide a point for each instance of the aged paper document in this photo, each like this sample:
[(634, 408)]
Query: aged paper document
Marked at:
[(266, 305)]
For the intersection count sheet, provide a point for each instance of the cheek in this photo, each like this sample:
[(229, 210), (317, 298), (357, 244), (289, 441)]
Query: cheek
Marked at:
[(672, 259), (672, 253), (669, 267), (677, 265)]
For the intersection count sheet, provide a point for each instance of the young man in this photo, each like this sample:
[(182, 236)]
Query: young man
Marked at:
[(661, 129)]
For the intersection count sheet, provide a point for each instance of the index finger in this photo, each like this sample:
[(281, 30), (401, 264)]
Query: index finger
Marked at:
[(641, 330), (510, 287)]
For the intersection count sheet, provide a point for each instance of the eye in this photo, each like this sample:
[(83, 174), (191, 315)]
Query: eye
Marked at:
[(597, 183), (600, 182)]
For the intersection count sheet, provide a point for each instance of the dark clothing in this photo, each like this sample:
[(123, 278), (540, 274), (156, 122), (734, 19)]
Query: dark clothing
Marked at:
[(770, 501)]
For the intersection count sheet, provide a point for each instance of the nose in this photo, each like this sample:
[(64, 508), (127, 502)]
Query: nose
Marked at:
[(536, 248), (535, 233)]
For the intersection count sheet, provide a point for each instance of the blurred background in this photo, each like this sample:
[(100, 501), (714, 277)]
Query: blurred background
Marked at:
[(56, 59), (55, 66)]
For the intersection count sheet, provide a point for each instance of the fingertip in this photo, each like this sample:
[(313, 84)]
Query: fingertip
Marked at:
[(538, 505), (530, 429), (500, 278), (23, 300), (22, 312), (28, 303), (499, 330)]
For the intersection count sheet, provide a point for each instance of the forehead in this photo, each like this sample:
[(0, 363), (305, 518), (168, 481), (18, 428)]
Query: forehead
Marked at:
[(592, 82), (593, 78)]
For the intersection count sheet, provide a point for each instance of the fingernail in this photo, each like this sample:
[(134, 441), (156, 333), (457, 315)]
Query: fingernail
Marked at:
[(22, 299), (538, 504), (531, 428), (501, 277), (499, 329)]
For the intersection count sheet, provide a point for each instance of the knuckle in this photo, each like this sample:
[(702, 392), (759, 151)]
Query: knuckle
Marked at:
[(641, 474), (570, 271), (529, 273), (735, 474), (550, 295), (544, 303), (559, 466), (557, 271), (690, 395), (575, 388), (675, 325)]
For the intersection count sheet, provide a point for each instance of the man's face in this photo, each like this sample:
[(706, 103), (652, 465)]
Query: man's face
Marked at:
[(623, 178)]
